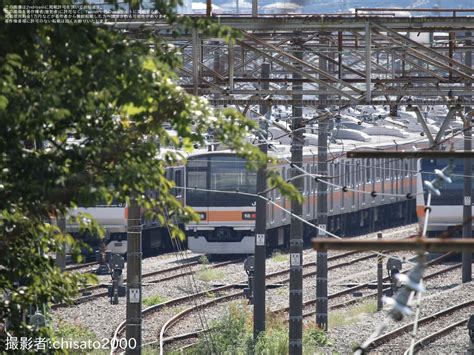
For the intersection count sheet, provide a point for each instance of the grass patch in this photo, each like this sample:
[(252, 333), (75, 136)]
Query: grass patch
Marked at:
[(74, 331), (207, 274), (152, 300), (351, 315), (233, 335), (278, 257)]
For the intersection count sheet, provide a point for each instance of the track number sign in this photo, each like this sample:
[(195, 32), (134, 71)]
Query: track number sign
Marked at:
[(134, 295), (295, 259), (260, 239)]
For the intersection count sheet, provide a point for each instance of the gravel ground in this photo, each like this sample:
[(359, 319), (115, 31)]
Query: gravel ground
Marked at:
[(455, 342), (442, 292), (102, 318)]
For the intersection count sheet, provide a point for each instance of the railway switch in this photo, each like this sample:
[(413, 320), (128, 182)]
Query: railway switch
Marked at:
[(117, 289), (249, 266)]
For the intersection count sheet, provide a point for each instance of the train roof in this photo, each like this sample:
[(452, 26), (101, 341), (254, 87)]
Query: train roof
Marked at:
[(365, 127)]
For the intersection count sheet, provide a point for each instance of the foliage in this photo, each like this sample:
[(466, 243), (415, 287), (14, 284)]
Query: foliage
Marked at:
[(74, 331), (278, 257), (152, 300), (83, 110), (203, 260), (232, 334)]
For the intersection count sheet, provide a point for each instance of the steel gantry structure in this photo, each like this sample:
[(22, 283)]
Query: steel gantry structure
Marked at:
[(323, 63), (371, 59)]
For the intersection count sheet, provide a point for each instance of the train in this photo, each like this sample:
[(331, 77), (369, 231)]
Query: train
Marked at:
[(446, 216), (393, 193)]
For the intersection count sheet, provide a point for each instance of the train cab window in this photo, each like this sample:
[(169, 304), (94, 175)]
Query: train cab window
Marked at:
[(178, 180), (219, 172)]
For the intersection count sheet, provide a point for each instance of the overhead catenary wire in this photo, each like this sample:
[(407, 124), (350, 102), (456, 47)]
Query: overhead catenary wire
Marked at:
[(193, 288)]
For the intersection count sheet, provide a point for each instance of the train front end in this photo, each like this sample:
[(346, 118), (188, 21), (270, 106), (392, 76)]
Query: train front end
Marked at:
[(446, 214), (227, 218)]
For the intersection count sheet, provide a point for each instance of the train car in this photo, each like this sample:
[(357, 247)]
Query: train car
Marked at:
[(446, 216), (228, 220), (113, 218)]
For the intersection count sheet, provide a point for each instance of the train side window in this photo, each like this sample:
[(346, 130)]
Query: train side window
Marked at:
[(358, 173), (331, 188), (353, 182), (178, 180), (368, 170)]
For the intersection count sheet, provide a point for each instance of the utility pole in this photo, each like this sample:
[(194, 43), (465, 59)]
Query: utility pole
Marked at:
[(296, 227), (134, 279), (322, 216), (467, 205), (261, 222)]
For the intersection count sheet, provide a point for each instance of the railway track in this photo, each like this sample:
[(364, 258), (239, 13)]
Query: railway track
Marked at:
[(420, 344), (218, 295), (401, 336), (81, 266), (225, 293), (92, 292), (337, 295)]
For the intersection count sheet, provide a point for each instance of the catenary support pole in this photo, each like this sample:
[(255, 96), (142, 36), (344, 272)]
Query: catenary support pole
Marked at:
[(379, 278), (254, 8), (467, 205), (261, 223), (322, 218), (296, 227), (134, 280)]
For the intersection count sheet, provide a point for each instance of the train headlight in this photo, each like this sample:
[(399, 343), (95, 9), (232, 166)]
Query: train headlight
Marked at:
[(249, 216), (202, 216)]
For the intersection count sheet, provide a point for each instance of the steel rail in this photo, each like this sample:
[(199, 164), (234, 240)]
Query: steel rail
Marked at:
[(436, 335), (423, 321)]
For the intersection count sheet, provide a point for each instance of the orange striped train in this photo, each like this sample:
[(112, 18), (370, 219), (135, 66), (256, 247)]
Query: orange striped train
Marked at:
[(227, 221)]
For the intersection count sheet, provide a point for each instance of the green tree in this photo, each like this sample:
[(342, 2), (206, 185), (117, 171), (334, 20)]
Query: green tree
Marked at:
[(83, 110)]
